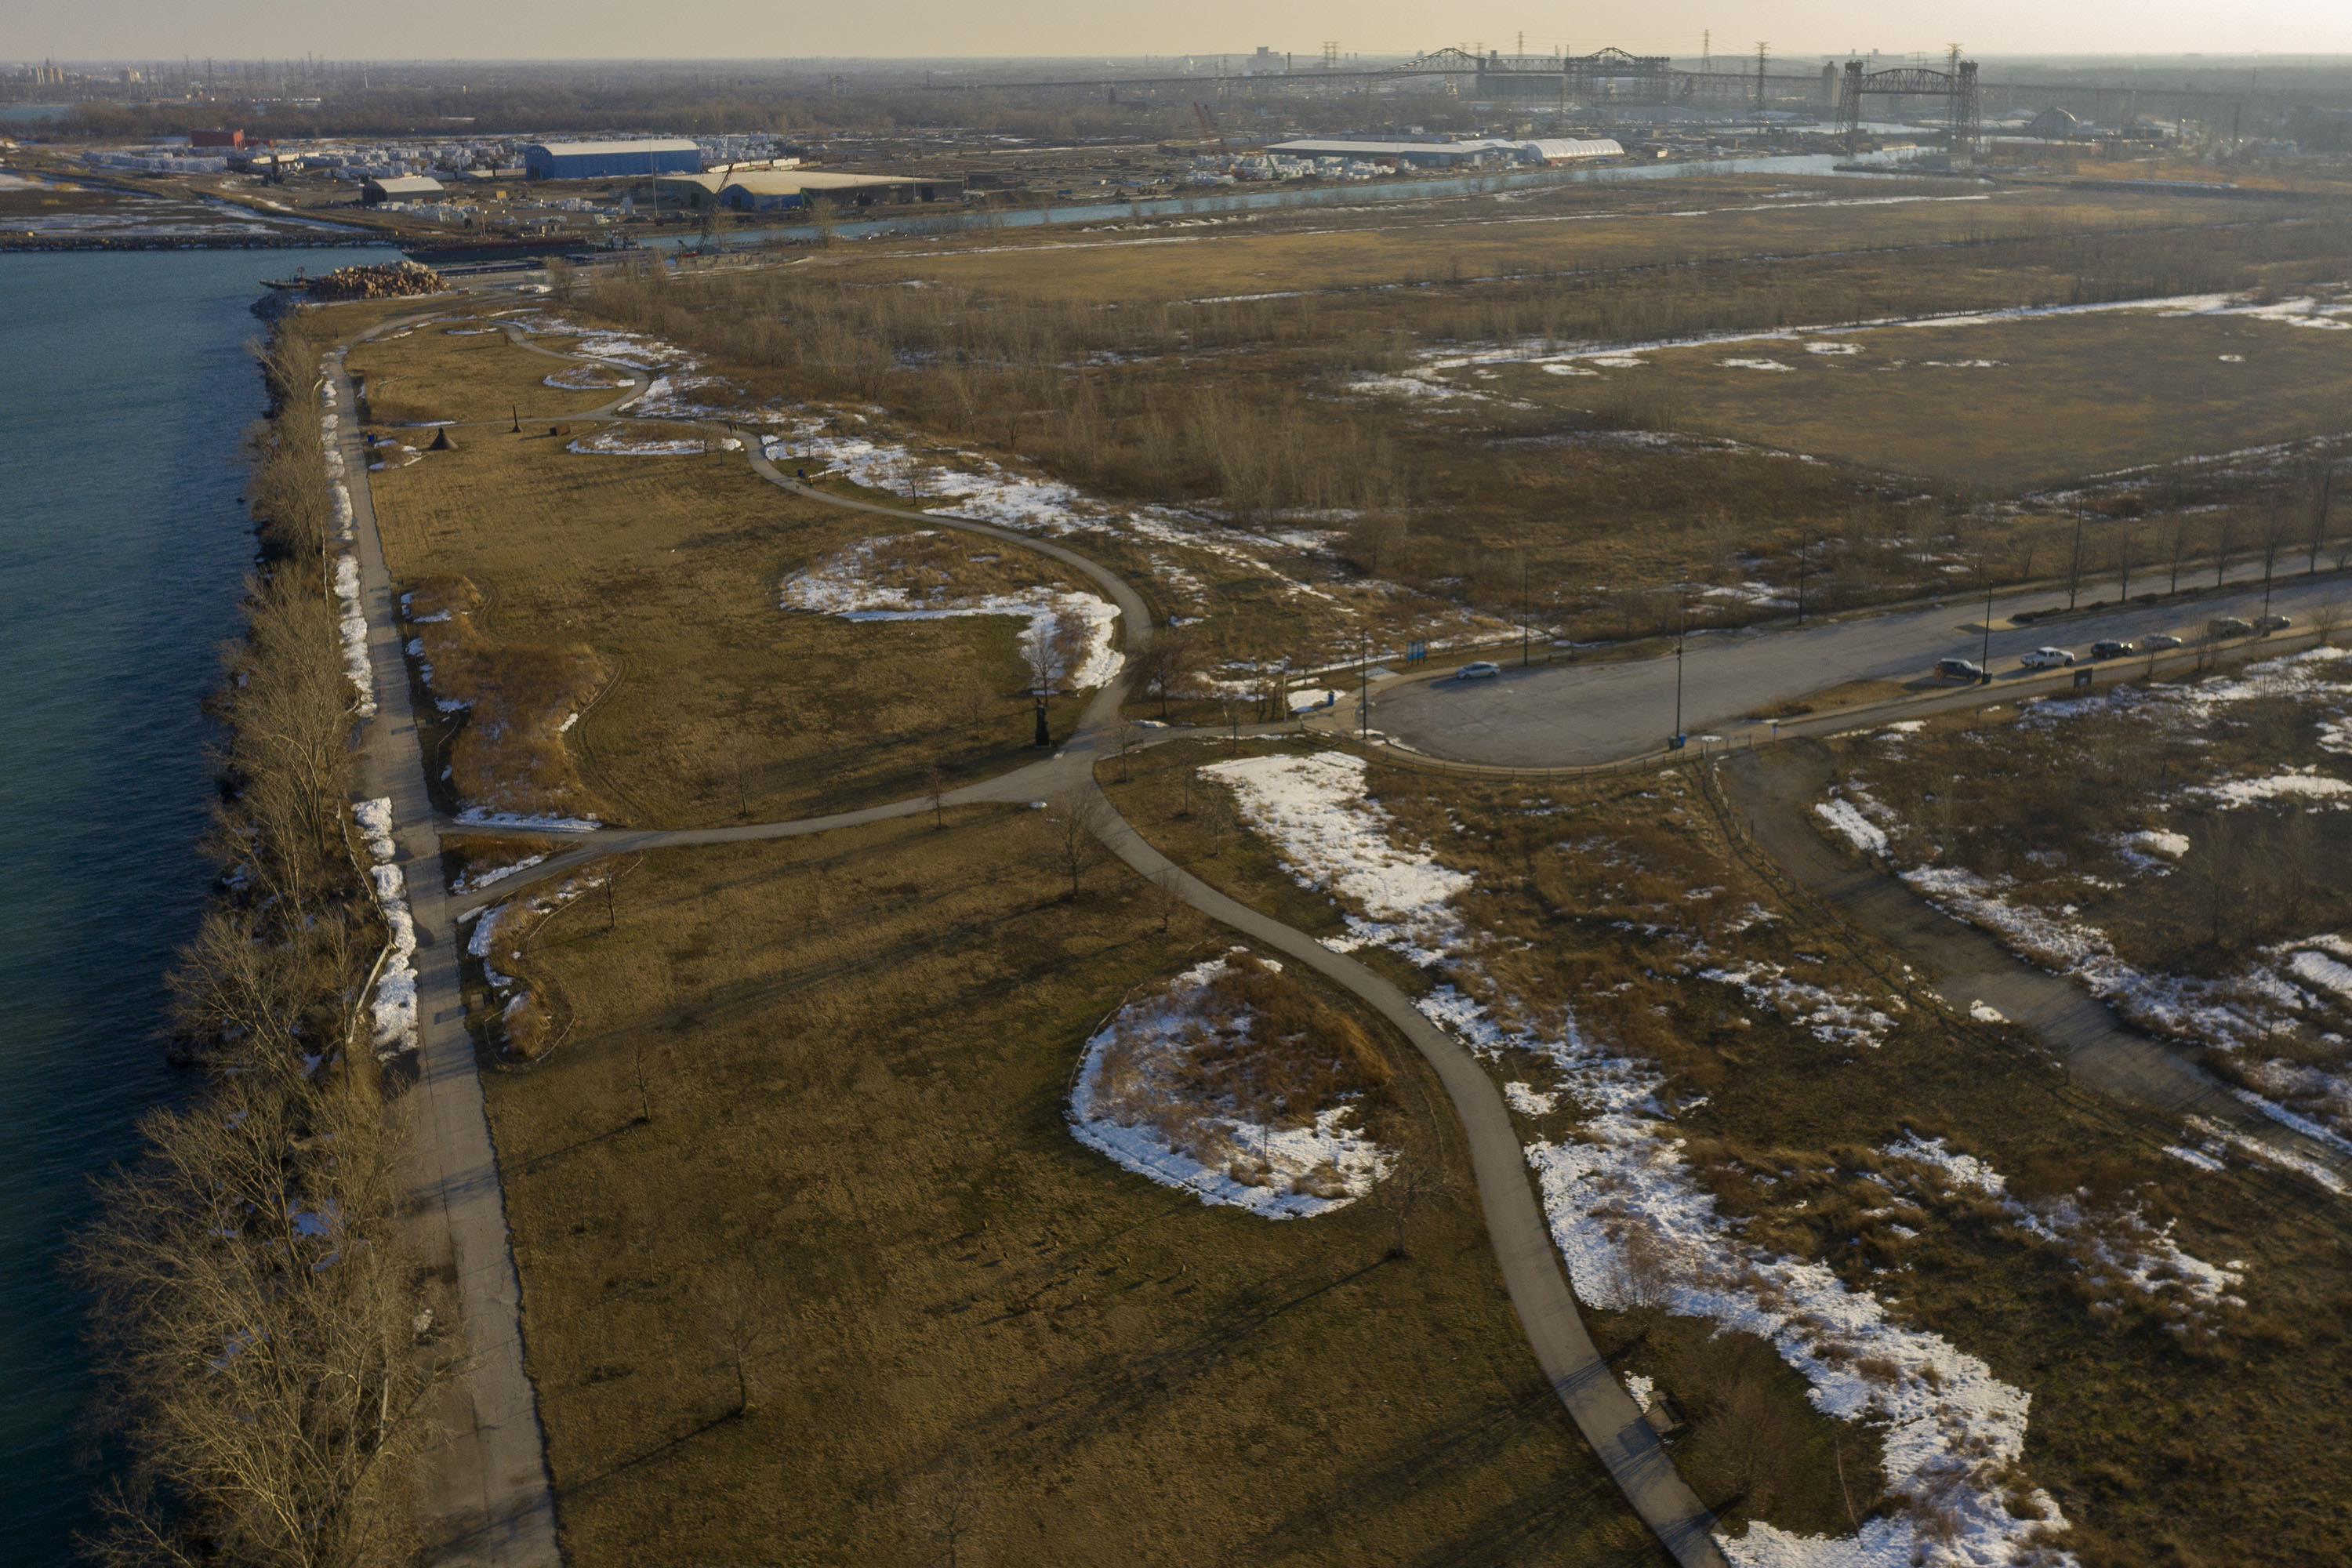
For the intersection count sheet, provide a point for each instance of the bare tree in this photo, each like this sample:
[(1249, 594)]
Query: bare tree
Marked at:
[(1050, 649), (1212, 815), (2179, 552), (948, 1508), (1168, 886), (1411, 1186), (563, 280), (743, 1311), (1642, 1277), (1073, 822), (1165, 669), (2278, 528), (2225, 531), (974, 699), (254, 1313), (257, 1327), (1126, 733)]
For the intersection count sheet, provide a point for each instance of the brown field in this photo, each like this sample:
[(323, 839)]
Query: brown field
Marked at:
[(2041, 809), (826, 1078), (1506, 235), (1246, 377), (2160, 1448), (721, 707), (428, 375), (2004, 405)]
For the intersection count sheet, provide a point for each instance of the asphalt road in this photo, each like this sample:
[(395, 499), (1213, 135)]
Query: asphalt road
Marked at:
[(1581, 714)]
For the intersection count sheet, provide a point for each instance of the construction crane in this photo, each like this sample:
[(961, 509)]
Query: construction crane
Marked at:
[(1209, 132)]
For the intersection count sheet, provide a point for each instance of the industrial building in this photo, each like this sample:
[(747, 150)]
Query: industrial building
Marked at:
[(608, 160), (401, 188)]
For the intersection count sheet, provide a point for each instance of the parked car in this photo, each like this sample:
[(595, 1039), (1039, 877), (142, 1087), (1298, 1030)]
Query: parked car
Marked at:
[(2228, 626), (2108, 647), (2272, 623), (2154, 640), (1480, 669), (1959, 670), (2047, 659)]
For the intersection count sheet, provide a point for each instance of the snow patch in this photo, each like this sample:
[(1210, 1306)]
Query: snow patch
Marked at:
[(1330, 836), (1857, 829), (1292, 1172), (395, 1007)]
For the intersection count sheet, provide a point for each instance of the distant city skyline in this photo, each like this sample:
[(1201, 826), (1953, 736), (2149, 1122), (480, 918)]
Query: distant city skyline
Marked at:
[(130, 31)]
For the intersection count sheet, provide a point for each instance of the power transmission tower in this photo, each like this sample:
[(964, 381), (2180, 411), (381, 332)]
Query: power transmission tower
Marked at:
[(1760, 48)]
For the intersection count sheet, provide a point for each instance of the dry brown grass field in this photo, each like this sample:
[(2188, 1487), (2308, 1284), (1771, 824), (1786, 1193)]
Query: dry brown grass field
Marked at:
[(1505, 235), (1248, 372), (720, 706), (463, 368), (2161, 1447), (2043, 810), (809, 1123), (2002, 405)]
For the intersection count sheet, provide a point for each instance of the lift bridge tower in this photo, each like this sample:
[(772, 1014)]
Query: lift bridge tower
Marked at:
[(1957, 87)]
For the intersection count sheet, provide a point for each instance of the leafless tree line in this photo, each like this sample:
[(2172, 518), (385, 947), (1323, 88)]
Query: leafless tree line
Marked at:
[(255, 1321)]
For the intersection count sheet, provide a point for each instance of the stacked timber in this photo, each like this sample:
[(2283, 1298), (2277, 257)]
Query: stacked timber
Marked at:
[(397, 281)]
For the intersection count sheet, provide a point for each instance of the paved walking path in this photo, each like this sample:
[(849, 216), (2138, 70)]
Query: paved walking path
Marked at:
[(487, 1499), (482, 1481)]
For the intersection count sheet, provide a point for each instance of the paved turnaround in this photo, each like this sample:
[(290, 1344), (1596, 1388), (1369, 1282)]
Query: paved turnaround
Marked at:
[(486, 1497)]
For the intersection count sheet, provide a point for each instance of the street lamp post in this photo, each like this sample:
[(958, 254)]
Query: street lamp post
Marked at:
[(1682, 637), (1364, 687), (1984, 658)]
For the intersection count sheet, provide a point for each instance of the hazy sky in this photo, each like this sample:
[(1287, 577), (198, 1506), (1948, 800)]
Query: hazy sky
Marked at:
[(540, 29)]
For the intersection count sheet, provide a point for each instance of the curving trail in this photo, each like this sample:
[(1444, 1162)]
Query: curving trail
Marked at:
[(487, 1491)]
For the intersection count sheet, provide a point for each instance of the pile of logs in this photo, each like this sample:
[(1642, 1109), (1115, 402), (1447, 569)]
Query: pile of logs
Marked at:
[(395, 282)]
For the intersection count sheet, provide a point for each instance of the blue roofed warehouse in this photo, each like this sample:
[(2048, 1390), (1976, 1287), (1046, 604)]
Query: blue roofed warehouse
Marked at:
[(602, 160)]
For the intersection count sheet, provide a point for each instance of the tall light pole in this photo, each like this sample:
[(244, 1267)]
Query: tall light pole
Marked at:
[(1984, 660), (1682, 637), (2075, 563), (1364, 693), (1527, 621)]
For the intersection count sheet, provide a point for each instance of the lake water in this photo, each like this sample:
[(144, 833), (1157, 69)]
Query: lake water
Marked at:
[(123, 542)]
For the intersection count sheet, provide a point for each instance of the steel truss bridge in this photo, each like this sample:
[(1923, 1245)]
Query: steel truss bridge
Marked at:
[(1958, 87), (1611, 73)]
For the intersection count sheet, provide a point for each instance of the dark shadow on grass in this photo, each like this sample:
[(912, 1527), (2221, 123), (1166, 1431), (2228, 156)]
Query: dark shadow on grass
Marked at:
[(668, 1446)]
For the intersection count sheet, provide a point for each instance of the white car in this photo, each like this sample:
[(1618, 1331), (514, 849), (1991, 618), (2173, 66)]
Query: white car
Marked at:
[(2047, 659), (1483, 669)]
